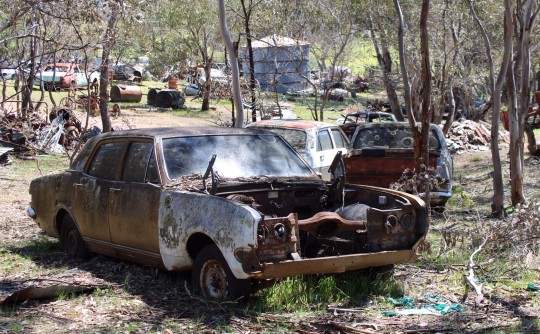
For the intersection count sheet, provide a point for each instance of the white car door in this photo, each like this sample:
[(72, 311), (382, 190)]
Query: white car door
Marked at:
[(329, 142)]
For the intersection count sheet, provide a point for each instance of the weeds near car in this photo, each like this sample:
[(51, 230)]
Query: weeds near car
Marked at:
[(309, 292)]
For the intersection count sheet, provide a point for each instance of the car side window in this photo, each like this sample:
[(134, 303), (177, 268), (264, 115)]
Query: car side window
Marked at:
[(339, 139), (137, 162), (152, 174), (106, 160), (323, 141)]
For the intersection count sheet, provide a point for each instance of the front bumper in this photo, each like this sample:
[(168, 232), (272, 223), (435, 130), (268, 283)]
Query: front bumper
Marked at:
[(335, 264)]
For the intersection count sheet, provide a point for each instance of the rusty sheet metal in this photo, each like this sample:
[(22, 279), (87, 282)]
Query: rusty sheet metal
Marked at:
[(336, 264), (329, 224), (380, 171), (230, 224)]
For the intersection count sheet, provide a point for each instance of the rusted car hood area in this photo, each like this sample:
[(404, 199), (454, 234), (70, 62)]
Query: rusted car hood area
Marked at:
[(302, 228)]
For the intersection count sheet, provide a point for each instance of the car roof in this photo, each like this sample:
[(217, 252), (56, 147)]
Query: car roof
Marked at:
[(179, 131), (365, 113), (300, 124), (158, 133), (61, 64), (393, 125)]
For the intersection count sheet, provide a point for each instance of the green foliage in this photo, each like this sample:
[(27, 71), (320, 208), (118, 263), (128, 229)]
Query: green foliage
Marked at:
[(363, 57), (460, 199), (304, 293)]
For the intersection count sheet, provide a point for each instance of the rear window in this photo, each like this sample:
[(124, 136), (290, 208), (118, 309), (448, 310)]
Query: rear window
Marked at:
[(297, 138), (395, 137), (339, 139)]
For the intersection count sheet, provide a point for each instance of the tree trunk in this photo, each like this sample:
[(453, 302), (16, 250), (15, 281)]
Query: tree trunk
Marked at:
[(403, 67), (385, 63), (237, 96), (28, 84), (249, 39), (108, 44), (426, 85), (207, 85), (497, 204), (513, 121)]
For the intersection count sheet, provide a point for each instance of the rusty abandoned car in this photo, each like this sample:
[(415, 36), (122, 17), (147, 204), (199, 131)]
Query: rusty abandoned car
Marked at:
[(234, 206), (380, 153)]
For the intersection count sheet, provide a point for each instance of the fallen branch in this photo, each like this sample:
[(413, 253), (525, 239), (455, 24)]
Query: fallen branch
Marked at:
[(346, 328), (480, 299)]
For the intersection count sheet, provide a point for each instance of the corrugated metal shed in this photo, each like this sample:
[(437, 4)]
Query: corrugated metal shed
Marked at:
[(280, 63)]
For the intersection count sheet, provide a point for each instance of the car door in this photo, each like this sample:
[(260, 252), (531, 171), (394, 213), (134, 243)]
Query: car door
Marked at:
[(134, 203), (329, 142), (91, 194), (80, 76)]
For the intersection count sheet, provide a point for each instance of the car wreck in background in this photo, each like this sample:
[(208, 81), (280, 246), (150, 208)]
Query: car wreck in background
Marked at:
[(350, 122), (381, 152), (64, 76), (234, 206), (317, 142)]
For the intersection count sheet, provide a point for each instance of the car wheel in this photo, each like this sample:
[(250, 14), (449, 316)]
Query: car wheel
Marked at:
[(213, 279), (72, 240)]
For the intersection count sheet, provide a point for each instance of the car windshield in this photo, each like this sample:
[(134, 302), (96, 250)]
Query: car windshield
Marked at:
[(395, 136), (297, 138), (237, 156)]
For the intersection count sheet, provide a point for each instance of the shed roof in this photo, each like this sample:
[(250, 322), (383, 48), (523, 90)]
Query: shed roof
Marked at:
[(276, 40)]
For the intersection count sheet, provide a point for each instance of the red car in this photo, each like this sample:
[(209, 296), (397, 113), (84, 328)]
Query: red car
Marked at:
[(64, 75)]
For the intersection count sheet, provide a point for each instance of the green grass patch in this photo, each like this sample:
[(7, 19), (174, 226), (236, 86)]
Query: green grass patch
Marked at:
[(310, 292)]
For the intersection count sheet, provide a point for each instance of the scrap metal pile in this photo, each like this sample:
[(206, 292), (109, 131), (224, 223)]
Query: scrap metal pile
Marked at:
[(28, 137), (466, 135)]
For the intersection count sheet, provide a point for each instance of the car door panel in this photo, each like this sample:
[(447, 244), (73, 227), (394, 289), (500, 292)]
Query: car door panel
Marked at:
[(134, 201)]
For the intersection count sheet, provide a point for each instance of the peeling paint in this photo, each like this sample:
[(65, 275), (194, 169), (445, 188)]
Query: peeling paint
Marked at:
[(169, 233)]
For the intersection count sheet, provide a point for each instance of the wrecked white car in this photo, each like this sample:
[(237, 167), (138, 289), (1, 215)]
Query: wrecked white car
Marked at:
[(232, 205)]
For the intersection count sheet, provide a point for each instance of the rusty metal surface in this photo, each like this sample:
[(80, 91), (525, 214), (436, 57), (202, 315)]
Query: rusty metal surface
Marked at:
[(334, 265), (124, 93)]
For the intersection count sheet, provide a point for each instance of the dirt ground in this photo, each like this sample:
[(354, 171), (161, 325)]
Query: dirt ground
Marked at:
[(136, 299)]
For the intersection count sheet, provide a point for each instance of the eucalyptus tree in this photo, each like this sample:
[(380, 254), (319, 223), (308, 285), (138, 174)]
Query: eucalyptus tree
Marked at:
[(496, 85), (330, 28), (162, 34), (518, 88), (38, 32), (382, 33)]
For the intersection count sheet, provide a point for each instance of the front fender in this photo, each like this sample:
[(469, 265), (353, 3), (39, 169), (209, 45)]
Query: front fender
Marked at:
[(229, 224)]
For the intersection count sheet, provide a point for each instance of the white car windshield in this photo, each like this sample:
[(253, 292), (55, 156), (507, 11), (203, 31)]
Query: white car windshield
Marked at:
[(236, 156)]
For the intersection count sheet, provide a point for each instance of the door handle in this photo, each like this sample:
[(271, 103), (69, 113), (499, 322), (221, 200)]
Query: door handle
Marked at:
[(77, 185), (321, 157), (115, 190)]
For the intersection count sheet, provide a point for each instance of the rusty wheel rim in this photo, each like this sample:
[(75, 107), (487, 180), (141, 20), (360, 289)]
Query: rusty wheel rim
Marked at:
[(214, 280)]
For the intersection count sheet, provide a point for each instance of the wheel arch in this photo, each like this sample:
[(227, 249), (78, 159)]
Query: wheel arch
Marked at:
[(59, 219), (196, 243)]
